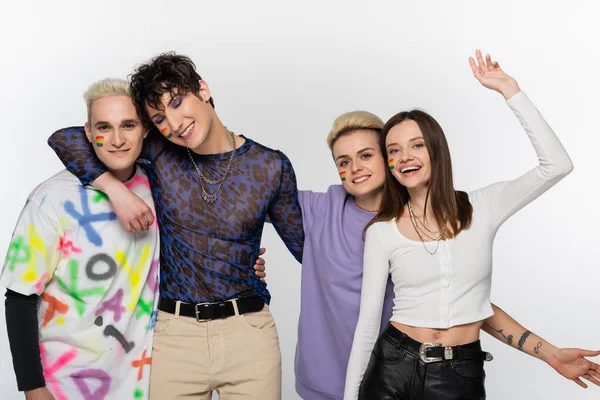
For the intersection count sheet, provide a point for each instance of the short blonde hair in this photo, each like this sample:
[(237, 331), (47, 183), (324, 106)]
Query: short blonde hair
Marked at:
[(105, 88), (353, 121)]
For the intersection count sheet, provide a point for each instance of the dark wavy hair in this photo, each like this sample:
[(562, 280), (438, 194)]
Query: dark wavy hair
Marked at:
[(168, 72), (451, 208)]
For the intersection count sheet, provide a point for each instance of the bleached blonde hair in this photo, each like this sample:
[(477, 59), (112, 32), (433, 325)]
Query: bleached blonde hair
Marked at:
[(105, 88), (353, 121)]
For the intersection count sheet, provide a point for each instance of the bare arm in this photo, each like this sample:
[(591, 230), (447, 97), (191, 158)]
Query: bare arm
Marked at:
[(570, 363)]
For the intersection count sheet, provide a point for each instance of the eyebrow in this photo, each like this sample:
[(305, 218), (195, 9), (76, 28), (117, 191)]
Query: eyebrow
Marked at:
[(130, 121), (102, 123), (410, 140), (358, 152)]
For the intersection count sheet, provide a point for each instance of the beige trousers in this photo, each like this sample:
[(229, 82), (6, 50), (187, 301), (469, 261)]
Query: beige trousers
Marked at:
[(238, 357)]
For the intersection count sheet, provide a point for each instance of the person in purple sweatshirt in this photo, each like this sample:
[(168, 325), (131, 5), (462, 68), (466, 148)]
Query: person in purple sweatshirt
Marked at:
[(332, 265)]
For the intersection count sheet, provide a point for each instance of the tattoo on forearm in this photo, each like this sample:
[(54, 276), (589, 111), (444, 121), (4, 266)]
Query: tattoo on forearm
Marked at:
[(508, 339), (536, 349), (524, 337)]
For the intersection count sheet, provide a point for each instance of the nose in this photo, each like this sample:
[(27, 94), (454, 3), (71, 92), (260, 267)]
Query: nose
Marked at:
[(356, 165), (174, 121), (406, 156), (118, 139)]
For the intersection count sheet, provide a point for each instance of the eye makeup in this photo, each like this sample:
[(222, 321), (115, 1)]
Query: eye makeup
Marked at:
[(99, 141), (166, 133), (343, 176)]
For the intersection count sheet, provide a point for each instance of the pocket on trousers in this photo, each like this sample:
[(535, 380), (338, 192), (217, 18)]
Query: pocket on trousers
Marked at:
[(468, 369), (260, 321), (164, 322), (387, 351)]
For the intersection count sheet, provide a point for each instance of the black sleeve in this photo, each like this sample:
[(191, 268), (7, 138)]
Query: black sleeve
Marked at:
[(23, 336)]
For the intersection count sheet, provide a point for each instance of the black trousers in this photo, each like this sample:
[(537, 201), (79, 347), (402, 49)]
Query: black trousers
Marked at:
[(396, 372)]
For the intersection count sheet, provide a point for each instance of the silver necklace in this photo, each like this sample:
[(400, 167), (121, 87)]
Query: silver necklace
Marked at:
[(413, 220), (212, 197)]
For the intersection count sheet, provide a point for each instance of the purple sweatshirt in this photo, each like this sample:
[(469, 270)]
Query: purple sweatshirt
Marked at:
[(332, 264)]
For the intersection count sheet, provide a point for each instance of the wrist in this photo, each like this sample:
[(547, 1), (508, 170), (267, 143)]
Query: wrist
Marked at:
[(548, 353), (108, 184), (510, 89), (33, 392)]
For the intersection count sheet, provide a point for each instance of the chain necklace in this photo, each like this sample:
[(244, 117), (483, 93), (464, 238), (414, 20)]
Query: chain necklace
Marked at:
[(212, 197), (414, 220), (365, 209)]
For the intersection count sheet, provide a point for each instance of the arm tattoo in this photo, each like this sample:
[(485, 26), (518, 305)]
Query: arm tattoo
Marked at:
[(536, 349), (524, 337), (508, 339)]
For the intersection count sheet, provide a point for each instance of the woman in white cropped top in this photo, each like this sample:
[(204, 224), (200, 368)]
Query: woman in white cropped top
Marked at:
[(437, 245)]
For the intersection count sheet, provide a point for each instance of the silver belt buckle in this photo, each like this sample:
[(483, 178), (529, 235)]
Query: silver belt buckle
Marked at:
[(198, 311), (423, 352)]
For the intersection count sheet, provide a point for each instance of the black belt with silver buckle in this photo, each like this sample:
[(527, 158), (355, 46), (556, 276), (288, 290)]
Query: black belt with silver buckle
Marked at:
[(435, 352), (210, 311)]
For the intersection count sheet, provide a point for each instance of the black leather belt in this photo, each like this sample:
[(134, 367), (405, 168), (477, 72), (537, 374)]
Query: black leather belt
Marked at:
[(209, 311), (435, 352)]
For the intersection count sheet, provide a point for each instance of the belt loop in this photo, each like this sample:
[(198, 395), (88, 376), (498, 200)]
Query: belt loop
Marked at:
[(235, 307), (177, 308)]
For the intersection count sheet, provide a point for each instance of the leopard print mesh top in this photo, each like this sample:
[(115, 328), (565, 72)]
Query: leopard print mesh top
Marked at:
[(207, 251)]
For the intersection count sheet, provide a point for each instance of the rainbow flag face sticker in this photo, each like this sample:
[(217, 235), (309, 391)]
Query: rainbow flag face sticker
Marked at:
[(165, 132), (343, 176), (391, 165), (99, 141)]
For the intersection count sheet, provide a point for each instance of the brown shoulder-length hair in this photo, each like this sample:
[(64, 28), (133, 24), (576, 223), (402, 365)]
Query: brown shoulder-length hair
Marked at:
[(451, 208)]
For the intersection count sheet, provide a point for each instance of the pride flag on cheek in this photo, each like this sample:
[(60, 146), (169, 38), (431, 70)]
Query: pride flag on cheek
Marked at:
[(391, 164), (343, 176), (165, 132), (99, 141)]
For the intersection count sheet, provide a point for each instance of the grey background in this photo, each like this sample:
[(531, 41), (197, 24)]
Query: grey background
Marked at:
[(280, 73)]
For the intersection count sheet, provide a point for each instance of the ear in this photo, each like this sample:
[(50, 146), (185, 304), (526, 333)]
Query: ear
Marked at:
[(88, 132), (204, 92), (145, 132)]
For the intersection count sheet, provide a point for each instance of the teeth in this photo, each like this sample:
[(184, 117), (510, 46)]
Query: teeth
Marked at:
[(409, 169), (359, 180), (185, 133)]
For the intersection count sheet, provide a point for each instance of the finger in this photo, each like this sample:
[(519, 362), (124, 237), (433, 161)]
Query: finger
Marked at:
[(590, 379), (143, 223), (262, 251), (135, 225), (488, 62), (260, 274), (580, 383), (131, 227), (480, 61), (476, 71), (260, 261), (149, 217), (588, 353), (263, 280), (258, 267), (497, 66)]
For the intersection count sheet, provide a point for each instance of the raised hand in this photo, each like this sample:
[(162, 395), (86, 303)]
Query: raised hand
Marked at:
[(491, 76), (573, 365)]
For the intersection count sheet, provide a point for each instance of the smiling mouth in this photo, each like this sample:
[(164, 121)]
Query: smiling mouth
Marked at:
[(361, 179), (187, 130), (408, 170), (118, 151)]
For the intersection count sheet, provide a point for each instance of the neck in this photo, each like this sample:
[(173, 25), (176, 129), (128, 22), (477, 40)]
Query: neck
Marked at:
[(124, 174), (417, 200), (218, 139), (370, 201)]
